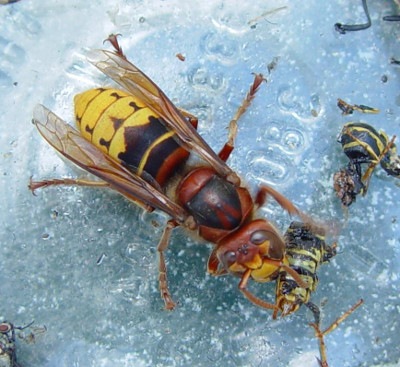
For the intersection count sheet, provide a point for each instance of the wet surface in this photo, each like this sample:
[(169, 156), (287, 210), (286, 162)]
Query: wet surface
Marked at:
[(109, 312)]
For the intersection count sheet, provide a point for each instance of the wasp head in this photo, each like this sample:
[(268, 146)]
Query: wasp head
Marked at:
[(252, 247)]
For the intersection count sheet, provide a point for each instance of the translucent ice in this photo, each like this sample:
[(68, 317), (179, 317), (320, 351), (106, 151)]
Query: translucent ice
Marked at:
[(108, 312)]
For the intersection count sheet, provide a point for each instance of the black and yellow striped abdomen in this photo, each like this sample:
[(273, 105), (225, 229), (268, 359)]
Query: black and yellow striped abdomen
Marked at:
[(372, 142), (129, 132), (305, 252)]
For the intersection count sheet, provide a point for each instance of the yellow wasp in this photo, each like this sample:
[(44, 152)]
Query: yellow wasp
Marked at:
[(306, 250), (362, 144)]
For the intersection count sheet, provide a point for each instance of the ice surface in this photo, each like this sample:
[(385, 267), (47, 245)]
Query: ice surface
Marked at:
[(110, 314)]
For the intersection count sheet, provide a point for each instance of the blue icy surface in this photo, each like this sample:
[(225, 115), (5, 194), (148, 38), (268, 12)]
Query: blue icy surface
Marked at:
[(110, 314)]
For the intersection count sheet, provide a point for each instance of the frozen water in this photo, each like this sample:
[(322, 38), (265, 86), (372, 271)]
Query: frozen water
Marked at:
[(108, 312)]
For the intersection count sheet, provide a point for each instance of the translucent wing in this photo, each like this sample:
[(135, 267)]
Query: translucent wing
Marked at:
[(136, 82), (73, 146)]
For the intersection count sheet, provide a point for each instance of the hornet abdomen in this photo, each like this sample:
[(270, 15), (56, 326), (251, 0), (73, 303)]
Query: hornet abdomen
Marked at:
[(131, 133)]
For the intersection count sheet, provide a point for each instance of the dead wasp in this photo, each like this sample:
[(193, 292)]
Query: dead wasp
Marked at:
[(136, 140), (8, 354), (348, 109), (363, 145), (306, 250)]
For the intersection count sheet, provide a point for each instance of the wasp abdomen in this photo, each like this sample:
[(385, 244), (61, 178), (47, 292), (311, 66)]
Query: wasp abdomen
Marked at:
[(131, 133), (365, 134)]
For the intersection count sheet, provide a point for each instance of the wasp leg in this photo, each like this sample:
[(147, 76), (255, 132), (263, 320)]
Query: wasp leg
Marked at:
[(315, 310), (34, 185), (320, 334), (193, 120), (162, 267), (367, 175), (284, 202), (213, 265), (230, 144), (295, 275), (363, 144), (250, 296), (113, 39)]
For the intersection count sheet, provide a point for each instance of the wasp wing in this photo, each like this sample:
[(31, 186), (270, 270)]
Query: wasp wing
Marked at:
[(70, 143), (136, 82)]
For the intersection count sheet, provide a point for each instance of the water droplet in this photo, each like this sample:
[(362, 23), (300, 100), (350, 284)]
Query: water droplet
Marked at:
[(273, 133), (269, 167), (287, 100), (298, 103), (293, 141), (220, 47), (201, 78)]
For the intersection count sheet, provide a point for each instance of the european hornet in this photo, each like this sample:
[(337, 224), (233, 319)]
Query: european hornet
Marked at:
[(306, 250), (136, 140), (363, 145)]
